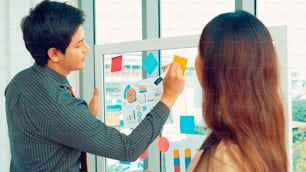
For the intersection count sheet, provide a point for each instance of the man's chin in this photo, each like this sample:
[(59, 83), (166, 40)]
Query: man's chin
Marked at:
[(81, 66)]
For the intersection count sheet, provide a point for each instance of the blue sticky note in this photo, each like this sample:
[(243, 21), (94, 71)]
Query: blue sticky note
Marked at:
[(187, 124), (150, 63)]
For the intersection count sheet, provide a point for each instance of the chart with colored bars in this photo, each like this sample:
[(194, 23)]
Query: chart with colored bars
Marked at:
[(176, 160)]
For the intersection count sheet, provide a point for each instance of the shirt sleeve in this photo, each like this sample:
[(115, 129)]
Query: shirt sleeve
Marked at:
[(75, 126)]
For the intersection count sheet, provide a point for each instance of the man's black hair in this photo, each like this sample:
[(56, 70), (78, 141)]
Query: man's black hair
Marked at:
[(50, 25)]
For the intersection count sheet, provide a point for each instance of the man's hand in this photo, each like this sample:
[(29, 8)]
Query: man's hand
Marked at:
[(93, 104), (174, 83)]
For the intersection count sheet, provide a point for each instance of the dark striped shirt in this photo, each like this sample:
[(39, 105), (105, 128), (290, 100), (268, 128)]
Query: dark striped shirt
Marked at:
[(48, 128)]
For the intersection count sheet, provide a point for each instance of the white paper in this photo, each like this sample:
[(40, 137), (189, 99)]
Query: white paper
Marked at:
[(138, 98)]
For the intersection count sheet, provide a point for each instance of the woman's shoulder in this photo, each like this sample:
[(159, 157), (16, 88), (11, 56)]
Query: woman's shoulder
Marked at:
[(224, 157), (227, 148), (227, 157)]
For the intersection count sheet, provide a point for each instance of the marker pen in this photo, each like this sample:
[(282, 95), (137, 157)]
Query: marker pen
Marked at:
[(161, 77)]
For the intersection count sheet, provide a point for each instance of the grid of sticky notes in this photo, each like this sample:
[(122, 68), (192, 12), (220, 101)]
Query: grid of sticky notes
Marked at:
[(150, 63)]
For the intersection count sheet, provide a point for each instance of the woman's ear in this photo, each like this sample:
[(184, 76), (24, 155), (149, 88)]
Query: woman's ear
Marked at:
[(53, 55)]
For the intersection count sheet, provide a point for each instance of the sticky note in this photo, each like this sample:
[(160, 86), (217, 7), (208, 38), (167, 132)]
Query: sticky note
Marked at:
[(182, 61), (116, 63), (150, 63), (163, 144), (187, 124)]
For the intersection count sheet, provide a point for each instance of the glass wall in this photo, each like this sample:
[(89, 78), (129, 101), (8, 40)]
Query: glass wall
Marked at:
[(114, 83), (291, 14), (117, 21), (186, 18), (120, 21), (117, 83), (181, 17), (187, 131)]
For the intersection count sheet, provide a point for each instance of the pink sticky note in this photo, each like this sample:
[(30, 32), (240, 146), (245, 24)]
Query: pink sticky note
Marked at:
[(116, 63), (163, 144), (148, 170)]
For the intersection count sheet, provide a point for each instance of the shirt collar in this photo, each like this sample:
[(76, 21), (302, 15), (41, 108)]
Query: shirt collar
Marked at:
[(52, 74)]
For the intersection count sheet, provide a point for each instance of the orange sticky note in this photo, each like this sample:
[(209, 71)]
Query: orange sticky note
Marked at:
[(182, 61)]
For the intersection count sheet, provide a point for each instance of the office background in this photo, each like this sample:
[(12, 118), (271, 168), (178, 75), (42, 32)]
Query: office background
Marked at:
[(115, 21)]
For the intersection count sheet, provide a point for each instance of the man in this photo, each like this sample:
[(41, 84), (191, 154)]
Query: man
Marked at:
[(48, 127)]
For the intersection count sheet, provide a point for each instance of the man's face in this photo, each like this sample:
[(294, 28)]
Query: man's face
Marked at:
[(76, 52)]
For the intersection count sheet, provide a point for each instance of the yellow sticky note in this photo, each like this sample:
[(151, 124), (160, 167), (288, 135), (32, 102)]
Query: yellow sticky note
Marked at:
[(182, 61)]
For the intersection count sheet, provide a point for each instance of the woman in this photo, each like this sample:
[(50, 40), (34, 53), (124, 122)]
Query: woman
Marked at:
[(238, 70)]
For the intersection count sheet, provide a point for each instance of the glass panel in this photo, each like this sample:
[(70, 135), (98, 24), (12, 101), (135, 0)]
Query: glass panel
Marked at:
[(188, 106), (299, 120), (284, 15), (114, 83), (181, 17), (117, 21)]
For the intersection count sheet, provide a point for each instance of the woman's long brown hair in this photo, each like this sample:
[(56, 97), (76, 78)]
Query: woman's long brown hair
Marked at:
[(241, 99)]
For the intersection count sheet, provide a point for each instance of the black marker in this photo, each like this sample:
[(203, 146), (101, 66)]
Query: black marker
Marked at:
[(161, 77)]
